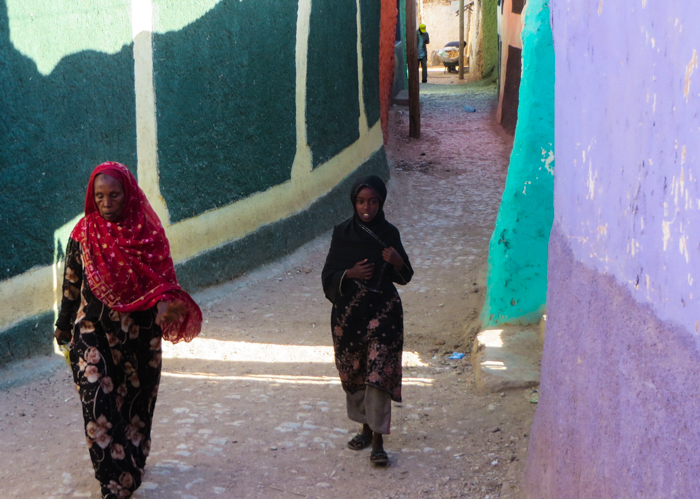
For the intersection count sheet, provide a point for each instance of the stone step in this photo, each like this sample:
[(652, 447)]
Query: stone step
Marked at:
[(401, 99), (507, 357)]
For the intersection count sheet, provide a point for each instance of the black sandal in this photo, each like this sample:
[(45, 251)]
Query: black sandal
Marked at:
[(359, 442), (378, 457)]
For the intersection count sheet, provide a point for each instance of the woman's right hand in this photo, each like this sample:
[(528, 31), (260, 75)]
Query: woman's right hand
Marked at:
[(170, 311), (62, 337), (361, 270)]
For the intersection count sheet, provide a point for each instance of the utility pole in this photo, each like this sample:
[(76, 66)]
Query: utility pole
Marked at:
[(412, 56), (461, 39)]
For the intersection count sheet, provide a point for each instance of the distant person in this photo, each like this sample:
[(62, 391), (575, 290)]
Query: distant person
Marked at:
[(120, 297), (365, 259), (452, 65), (423, 40)]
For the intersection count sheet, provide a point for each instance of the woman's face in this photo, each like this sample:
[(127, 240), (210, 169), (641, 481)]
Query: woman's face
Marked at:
[(367, 204), (109, 197)]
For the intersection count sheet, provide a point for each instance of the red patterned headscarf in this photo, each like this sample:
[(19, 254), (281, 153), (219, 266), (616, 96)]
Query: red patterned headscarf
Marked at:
[(127, 263)]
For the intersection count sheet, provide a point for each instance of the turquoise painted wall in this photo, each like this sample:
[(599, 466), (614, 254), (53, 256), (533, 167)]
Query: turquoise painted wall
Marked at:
[(332, 111), (517, 273), (226, 103), (54, 129)]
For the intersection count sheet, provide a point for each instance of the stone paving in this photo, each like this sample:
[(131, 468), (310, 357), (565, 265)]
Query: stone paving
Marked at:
[(253, 408)]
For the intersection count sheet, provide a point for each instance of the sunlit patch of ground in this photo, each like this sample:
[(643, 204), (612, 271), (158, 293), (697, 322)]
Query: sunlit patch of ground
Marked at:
[(244, 351)]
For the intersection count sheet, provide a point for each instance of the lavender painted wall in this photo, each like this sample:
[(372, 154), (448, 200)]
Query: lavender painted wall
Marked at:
[(628, 135), (620, 389), (619, 393)]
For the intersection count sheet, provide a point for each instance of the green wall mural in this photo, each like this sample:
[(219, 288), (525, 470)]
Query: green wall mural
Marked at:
[(55, 128), (207, 109), (517, 275), (332, 112), (225, 91), (278, 238)]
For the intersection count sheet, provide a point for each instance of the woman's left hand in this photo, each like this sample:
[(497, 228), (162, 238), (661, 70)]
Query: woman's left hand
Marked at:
[(392, 257), (62, 337), (170, 311)]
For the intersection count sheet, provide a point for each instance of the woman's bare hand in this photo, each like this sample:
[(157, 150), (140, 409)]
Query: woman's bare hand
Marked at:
[(62, 337), (170, 311), (361, 270), (392, 257)]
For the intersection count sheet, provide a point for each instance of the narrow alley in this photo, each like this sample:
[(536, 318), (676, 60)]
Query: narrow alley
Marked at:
[(253, 407)]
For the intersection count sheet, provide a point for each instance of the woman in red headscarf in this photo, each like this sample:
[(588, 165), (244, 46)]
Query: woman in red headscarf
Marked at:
[(120, 297)]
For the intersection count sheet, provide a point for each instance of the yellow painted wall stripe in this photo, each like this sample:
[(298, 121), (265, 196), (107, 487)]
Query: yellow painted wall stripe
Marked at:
[(146, 117)]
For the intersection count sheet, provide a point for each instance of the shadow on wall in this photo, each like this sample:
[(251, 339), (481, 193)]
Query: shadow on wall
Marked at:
[(511, 90), (226, 122), (226, 113), (55, 130)]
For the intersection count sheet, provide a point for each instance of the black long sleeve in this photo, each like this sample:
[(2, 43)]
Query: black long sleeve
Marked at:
[(72, 283)]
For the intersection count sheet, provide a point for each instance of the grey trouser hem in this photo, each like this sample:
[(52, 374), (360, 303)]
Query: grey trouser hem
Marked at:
[(371, 406)]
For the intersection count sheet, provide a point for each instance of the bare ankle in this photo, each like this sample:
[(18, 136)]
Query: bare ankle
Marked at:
[(377, 441)]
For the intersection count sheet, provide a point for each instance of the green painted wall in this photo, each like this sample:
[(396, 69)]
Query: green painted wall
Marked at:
[(279, 238), (489, 25), (333, 110), (54, 129), (31, 337), (517, 275), (225, 119), (225, 90), (371, 14)]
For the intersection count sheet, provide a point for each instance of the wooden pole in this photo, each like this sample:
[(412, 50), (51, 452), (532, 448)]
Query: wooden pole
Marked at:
[(461, 39), (412, 56)]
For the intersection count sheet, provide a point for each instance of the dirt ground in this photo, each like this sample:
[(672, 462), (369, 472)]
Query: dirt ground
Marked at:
[(253, 408)]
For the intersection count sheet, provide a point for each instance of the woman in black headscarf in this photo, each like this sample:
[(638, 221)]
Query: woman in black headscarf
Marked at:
[(365, 259)]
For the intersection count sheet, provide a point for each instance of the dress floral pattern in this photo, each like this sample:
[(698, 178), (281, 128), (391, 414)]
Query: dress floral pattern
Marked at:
[(368, 339), (116, 362)]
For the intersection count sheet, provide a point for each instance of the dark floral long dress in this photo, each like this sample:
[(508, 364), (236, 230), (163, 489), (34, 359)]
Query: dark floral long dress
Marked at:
[(367, 331), (116, 363)]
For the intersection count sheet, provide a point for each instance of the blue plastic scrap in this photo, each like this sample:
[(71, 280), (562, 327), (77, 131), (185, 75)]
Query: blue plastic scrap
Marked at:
[(456, 356), (469, 109)]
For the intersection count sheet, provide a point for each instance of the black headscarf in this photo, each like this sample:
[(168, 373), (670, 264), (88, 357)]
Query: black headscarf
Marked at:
[(354, 240)]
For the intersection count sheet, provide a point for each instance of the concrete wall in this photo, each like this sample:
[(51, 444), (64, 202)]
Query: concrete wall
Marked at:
[(620, 393), (242, 138), (481, 26), (517, 273), (441, 22), (511, 25), (475, 49), (480, 31)]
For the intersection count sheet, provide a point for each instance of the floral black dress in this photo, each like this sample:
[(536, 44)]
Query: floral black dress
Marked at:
[(367, 315), (116, 363), (368, 335)]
